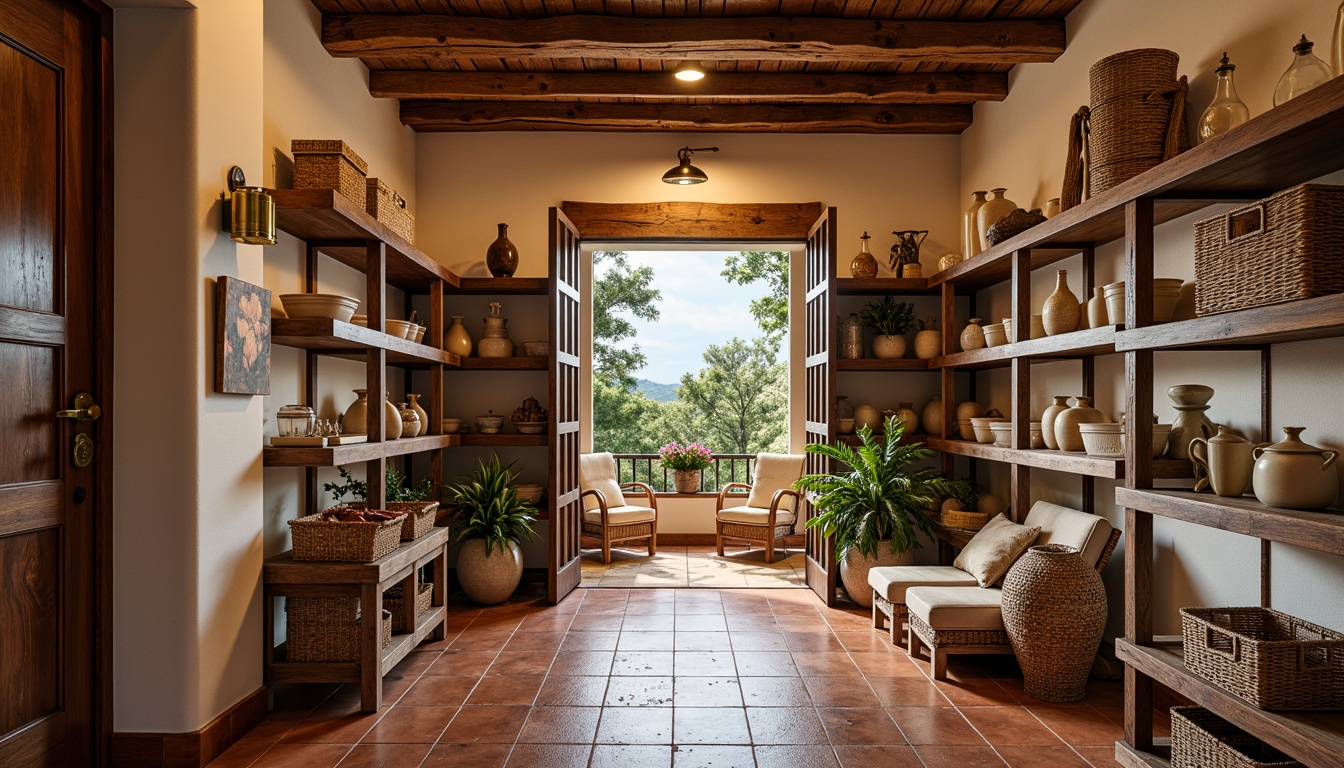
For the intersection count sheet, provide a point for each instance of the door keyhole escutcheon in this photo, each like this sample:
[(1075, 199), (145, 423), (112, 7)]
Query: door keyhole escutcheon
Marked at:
[(82, 453)]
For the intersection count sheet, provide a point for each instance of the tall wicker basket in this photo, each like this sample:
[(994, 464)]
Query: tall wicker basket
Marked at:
[(327, 629), (1137, 115)]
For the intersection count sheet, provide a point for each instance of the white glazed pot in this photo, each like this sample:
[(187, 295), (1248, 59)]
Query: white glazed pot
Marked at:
[(854, 570), (1294, 475), (489, 579)]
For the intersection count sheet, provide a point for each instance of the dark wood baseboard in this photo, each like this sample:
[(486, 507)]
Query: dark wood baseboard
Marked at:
[(194, 749)]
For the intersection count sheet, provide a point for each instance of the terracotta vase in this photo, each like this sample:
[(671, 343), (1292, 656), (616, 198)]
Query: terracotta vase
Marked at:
[(1066, 424), (995, 208), (932, 417), (972, 336), (1054, 610), (1190, 402), (414, 400), (929, 342), (456, 340), (1048, 421), (1096, 309), (864, 266), (970, 227), (888, 347), (1060, 314), (908, 416), (501, 258)]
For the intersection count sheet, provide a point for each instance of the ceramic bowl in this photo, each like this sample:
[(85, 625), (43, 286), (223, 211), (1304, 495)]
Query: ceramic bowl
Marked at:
[(452, 426), (419, 333), (361, 320), (1037, 327), (965, 429), (1002, 431), (396, 328), (994, 335), (1007, 330), (529, 492), (1166, 292), (530, 427), (536, 348), (1114, 293), (1161, 434), (489, 425), (326, 305), (844, 426), (980, 425), (1105, 440)]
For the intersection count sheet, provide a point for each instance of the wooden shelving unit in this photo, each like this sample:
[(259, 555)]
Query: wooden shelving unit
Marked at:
[(1059, 461), (852, 439), (1087, 343), (503, 440), (503, 363), (877, 286), (874, 364), (338, 339)]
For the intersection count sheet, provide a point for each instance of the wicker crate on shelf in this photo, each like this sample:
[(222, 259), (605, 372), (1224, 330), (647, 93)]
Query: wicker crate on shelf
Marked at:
[(389, 208), (419, 518), (1286, 247), (330, 164), (357, 542), (424, 594), (1268, 658), (1201, 739), (326, 629), (965, 519)]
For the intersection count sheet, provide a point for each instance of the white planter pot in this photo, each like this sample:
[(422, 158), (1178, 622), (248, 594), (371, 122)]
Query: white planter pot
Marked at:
[(489, 579), (854, 570)]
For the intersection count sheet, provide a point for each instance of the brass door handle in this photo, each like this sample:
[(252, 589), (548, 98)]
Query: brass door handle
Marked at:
[(85, 409)]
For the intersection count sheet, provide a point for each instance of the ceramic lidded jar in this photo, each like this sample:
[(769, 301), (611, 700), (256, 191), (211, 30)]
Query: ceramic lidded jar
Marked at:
[(972, 336), (929, 342), (501, 258), (1060, 314), (456, 340), (1048, 421), (1067, 435), (1295, 475), (1227, 458), (851, 338), (410, 421), (932, 417), (495, 341), (908, 416)]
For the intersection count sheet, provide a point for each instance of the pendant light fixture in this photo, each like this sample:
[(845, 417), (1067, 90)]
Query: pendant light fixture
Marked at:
[(689, 72), (684, 172)]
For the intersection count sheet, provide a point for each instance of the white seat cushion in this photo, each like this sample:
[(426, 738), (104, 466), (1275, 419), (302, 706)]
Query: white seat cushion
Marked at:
[(755, 515), (957, 607), (597, 472), (623, 515), (1060, 525), (774, 472), (891, 582)]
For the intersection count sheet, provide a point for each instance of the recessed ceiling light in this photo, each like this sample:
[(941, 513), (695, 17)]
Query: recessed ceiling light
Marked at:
[(689, 72), (684, 172)]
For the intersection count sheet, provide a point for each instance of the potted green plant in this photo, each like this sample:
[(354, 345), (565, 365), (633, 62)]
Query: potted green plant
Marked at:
[(888, 319), (874, 511), (491, 520), (686, 463)]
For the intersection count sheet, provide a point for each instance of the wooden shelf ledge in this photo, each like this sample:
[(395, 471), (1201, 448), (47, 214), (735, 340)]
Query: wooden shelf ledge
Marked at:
[(284, 569), (1319, 318), (1087, 343), (1321, 531), (503, 363), (503, 440), (875, 364), (338, 455), (1059, 461), (853, 439), (1132, 757), (338, 339), (503, 286), (882, 286)]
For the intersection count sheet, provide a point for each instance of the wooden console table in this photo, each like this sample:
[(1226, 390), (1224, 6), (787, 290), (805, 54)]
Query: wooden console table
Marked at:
[(283, 576)]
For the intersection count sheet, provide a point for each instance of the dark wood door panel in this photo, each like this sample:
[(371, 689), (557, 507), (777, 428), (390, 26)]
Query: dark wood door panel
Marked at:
[(566, 522), (30, 565), (27, 414), (819, 350), (29, 180)]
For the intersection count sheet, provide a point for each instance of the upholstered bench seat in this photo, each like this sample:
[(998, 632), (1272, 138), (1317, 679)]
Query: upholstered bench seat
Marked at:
[(755, 516), (890, 583), (623, 515), (957, 608)]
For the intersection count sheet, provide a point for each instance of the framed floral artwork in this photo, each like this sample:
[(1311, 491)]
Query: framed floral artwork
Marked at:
[(242, 338)]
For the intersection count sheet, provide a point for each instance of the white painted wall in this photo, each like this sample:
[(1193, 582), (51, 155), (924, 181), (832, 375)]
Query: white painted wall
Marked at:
[(1020, 144)]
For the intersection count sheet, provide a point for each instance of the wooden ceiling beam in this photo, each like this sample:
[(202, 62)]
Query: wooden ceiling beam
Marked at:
[(728, 118), (684, 222), (933, 88), (719, 39)]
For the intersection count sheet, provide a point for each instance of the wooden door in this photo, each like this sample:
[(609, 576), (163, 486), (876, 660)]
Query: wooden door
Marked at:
[(820, 362), (53, 269), (566, 513)]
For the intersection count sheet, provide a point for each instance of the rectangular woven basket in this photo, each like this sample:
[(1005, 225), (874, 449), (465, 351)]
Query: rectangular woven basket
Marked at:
[(330, 164), (964, 520), (326, 629), (1271, 659), (424, 593), (389, 208), (1286, 247), (419, 516), (1201, 739), (318, 539)]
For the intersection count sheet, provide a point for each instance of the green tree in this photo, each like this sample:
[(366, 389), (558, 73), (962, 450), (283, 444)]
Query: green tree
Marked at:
[(772, 310), (741, 396), (620, 292)]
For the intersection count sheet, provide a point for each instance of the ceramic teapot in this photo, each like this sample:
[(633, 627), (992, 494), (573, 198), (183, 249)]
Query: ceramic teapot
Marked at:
[(1294, 475), (1227, 459)]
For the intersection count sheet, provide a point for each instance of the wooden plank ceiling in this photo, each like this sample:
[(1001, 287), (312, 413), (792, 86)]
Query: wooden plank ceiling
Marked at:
[(802, 66)]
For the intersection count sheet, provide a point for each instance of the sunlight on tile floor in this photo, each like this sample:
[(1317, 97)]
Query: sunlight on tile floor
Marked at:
[(695, 566)]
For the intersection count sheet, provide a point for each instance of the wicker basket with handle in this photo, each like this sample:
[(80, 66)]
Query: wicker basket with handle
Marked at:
[(330, 164), (1136, 117), (327, 629), (1286, 247), (1271, 659), (420, 516), (357, 542), (424, 593), (965, 519), (1201, 739), (389, 208)]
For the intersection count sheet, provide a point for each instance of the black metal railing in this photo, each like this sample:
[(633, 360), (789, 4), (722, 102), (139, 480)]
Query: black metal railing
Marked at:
[(724, 468)]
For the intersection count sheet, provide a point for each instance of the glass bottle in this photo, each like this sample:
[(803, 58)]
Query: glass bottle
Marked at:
[(1306, 72), (1226, 111), (864, 266)]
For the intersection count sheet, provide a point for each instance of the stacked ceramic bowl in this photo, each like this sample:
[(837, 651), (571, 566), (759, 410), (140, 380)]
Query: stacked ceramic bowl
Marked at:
[(995, 335), (1114, 293), (320, 305), (1161, 433), (1037, 441), (1003, 433), (965, 429), (1166, 290), (1104, 440), (981, 425)]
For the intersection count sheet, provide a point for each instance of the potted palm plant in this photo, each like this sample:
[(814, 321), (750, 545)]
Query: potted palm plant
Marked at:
[(888, 319), (491, 519), (874, 511)]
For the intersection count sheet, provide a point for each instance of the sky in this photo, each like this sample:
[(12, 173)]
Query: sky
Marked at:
[(699, 308)]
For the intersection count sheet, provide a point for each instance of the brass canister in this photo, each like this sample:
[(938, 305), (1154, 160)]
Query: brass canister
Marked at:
[(253, 216)]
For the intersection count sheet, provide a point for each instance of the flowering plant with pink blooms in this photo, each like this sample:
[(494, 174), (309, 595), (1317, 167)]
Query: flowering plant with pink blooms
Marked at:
[(684, 458)]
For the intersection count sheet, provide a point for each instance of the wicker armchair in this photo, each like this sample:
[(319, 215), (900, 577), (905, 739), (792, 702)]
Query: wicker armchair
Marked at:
[(606, 515), (771, 511)]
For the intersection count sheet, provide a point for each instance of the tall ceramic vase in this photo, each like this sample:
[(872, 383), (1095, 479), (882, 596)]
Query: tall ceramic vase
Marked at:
[(356, 418), (932, 417), (995, 208), (456, 340), (1054, 609), (1066, 424), (501, 258), (970, 231), (414, 399), (1190, 401), (1096, 309), (1048, 421), (1060, 314)]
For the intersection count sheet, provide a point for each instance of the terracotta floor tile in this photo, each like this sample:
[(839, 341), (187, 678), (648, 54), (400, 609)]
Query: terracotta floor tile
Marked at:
[(570, 663), (631, 756), (758, 641), (635, 725), (907, 692), (813, 641), (546, 622), (886, 665), (710, 725), (429, 644), (649, 622), (706, 692), (700, 622), (644, 641), (785, 725), (269, 731), (774, 692), (439, 690), (1010, 727), (764, 664), (506, 689), (840, 692), (796, 756), (825, 665), (867, 640), (865, 756), (302, 756), (590, 641), (461, 755), (395, 687), (702, 641), (597, 622), (704, 664), (642, 664), (959, 757), (414, 664), (481, 641), (410, 725), (462, 663), (1040, 757), (979, 692), (1079, 726), (1099, 757), (386, 756), (712, 756), (549, 756), (572, 691), (940, 726), (486, 725), (241, 754), (535, 641), (639, 692), (712, 611), (859, 726), (342, 729), (560, 725), (522, 663)]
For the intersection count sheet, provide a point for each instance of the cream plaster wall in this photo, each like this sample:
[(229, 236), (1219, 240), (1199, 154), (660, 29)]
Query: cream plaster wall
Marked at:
[(1020, 144)]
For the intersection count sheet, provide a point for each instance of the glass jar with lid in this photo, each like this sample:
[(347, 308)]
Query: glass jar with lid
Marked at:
[(296, 421)]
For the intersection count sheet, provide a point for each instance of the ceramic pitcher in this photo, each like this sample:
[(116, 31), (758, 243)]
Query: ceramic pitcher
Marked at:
[(1227, 459)]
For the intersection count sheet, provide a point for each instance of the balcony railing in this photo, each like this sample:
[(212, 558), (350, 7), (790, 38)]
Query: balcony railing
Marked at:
[(724, 468)]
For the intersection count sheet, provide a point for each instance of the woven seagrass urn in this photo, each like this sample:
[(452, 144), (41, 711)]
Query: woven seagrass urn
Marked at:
[(1054, 609)]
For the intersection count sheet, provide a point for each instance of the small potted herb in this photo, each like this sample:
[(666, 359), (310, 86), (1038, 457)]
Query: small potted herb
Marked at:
[(490, 522), (889, 319), (686, 463)]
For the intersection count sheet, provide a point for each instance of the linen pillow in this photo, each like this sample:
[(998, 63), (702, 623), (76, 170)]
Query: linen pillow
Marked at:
[(775, 471), (993, 550), (597, 472)]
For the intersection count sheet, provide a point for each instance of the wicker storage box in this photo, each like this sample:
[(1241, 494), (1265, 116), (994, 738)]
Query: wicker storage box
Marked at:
[(330, 164), (1271, 659), (318, 539), (326, 629), (1201, 739), (965, 520), (1286, 247), (419, 516), (424, 593), (389, 208)]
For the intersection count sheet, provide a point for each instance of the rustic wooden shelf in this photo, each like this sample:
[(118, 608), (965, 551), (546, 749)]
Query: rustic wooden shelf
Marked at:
[(875, 364), (1290, 144), (1318, 318), (880, 286), (502, 440), (1321, 531), (957, 537), (503, 363), (852, 439), (338, 339), (1130, 757), (1087, 343), (502, 286), (338, 455), (1059, 461), (1315, 738), (332, 223)]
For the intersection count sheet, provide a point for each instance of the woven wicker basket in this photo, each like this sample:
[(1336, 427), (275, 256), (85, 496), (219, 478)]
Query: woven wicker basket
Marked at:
[(330, 164), (1201, 739), (965, 519), (424, 593), (326, 629), (419, 516), (1131, 125), (318, 539), (389, 208), (1271, 659), (1286, 247)]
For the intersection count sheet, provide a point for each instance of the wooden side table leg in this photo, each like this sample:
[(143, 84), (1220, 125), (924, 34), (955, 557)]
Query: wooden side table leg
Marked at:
[(370, 648), (439, 569), (267, 633)]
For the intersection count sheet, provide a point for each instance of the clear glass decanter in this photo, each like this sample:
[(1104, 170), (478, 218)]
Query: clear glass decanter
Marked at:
[(1226, 111), (1306, 72)]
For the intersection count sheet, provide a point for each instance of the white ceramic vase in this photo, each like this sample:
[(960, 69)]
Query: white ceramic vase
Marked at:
[(995, 208)]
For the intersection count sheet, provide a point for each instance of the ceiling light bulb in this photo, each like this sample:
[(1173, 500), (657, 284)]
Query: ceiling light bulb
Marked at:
[(689, 73)]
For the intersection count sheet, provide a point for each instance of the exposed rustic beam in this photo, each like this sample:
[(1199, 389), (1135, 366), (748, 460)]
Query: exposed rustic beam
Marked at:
[(754, 118), (751, 38), (692, 221), (932, 88)]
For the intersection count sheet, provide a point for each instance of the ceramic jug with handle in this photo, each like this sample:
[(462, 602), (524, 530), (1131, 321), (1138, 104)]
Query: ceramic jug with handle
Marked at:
[(1227, 459)]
